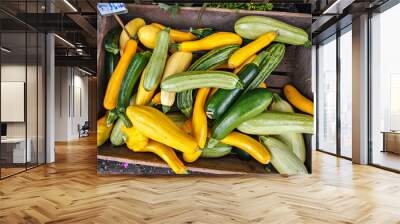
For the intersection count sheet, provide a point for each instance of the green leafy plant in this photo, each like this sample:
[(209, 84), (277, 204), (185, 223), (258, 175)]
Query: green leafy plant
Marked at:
[(246, 6), (174, 8)]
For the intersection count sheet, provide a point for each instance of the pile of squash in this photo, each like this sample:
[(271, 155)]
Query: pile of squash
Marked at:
[(160, 100)]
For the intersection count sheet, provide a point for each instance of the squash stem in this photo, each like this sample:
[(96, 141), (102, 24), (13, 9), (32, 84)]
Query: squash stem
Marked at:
[(125, 120), (307, 44), (165, 108), (111, 117), (212, 142)]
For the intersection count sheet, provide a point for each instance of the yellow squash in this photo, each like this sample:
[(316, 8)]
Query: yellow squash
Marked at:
[(298, 100), (133, 138), (177, 62), (248, 61), (187, 126), (191, 157), (210, 42), (199, 117), (114, 84), (148, 35), (143, 97), (240, 55), (167, 154), (176, 35), (103, 132), (213, 90), (263, 85), (249, 145), (156, 99), (132, 27), (157, 126), (223, 66)]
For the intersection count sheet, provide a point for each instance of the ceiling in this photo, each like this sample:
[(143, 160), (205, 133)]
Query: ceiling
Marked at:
[(72, 20)]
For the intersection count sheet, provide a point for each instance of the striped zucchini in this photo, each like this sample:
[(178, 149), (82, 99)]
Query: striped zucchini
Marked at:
[(116, 137), (284, 161), (295, 141), (276, 123), (275, 53), (184, 102), (200, 79), (251, 27), (213, 58), (155, 67), (208, 61)]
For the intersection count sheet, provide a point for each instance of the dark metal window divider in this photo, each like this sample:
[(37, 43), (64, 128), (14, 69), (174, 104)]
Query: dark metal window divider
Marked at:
[(0, 97), (26, 87), (338, 95)]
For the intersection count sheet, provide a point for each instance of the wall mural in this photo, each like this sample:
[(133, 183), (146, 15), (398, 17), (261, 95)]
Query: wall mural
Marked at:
[(192, 90)]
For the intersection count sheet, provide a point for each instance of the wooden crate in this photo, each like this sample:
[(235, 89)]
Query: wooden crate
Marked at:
[(295, 68)]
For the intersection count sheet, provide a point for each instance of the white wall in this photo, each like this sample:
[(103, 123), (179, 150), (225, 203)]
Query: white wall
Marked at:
[(33, 127), (71, 94)]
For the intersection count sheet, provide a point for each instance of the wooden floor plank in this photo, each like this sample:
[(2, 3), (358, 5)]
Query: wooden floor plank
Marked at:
[(70, 191)]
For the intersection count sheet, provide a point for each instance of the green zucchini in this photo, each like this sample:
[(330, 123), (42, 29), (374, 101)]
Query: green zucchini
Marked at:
[(184, 101), (242, 155), (182, 81), (275, 53), (111, 61), (217, 151), (177, 118), (276, 123), (111, 40), (116, 136), (155, 68), (246, 107), (132, 75), (251, 27), (223, 99), (283, 160), (295, 141), (208, 61)]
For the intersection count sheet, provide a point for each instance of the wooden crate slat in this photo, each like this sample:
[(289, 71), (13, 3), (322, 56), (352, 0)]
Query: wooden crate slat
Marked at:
[(225, 165)]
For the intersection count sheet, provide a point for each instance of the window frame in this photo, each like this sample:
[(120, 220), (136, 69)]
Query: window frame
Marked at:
[(334, 37)]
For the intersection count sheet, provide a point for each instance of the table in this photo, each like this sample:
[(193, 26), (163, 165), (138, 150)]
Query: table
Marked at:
[(391, 141), (18, 149)]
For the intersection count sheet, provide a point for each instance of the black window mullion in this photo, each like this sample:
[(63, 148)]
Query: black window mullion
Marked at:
[(0, 96), (317, 96), (26, 87), (338, 94), (37, 90)]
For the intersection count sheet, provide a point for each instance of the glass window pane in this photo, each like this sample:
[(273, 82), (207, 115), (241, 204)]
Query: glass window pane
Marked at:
[(31, 97), (327, 96), (346, 94), (13, 86), (385, 89)]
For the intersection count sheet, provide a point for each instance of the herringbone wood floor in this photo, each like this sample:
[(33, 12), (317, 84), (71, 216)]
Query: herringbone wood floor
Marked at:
[(70, 191)]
